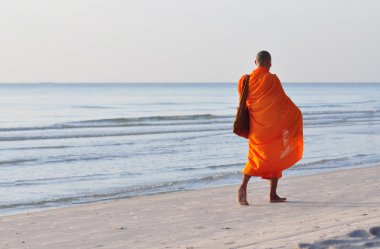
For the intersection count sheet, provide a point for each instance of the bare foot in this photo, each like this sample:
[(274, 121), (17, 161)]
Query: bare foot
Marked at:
[(242, 197), (276, 198)]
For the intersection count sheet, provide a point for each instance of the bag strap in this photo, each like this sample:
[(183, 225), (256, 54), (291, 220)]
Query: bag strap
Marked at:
[(245, 88)]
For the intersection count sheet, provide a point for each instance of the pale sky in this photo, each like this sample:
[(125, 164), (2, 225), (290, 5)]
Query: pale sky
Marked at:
[(188, 40)]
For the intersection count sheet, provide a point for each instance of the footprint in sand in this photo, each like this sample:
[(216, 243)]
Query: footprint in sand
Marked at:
[(360, 233), (356, 239), (375, 231)]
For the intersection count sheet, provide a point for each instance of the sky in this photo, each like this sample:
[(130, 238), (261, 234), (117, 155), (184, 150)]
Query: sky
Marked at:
[(188, 40)]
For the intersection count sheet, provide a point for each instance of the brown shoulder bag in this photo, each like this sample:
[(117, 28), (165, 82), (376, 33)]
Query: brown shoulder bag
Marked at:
[(241, 124)]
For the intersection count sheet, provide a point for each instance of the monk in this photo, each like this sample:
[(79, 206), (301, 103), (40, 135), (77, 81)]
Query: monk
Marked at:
[(276, 129)]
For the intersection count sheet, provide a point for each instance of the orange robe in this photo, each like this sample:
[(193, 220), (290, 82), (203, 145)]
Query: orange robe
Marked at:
[(276, 129)]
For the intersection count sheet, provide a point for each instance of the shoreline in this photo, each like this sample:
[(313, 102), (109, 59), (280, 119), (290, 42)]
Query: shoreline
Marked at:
[(330, 204), (286, 175)]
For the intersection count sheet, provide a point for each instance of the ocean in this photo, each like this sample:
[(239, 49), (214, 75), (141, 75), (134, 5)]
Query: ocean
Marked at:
[(65, 144)]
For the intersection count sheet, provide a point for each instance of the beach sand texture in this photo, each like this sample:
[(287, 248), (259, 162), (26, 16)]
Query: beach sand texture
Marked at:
[(320, 207)]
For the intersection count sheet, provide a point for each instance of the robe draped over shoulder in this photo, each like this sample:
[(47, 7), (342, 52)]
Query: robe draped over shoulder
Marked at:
[(276, 126)]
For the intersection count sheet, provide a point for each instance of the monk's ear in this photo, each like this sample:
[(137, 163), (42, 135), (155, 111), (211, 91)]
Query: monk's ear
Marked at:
[(255, 62)]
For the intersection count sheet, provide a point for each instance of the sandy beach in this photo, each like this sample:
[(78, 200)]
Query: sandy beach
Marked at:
[(320, 207)]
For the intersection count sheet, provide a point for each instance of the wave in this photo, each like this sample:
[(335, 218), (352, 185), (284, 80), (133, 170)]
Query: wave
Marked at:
[(64, 146), (92, 107), (222, 166), (362, 102), (39, 204), (334, 112), (331, 118), (338, 162), (320, 106), (315, 118), (125, 122), (36, 148), (320, 162), (100, 135), (55, 180), (16, 161), (119, 193), (336, 105), (57, 159)]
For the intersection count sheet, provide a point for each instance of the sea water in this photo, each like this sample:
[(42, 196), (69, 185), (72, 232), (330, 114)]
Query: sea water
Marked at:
[(64, 144)]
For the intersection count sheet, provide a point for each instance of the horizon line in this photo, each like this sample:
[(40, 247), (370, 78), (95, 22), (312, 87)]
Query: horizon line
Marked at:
[(190, 82)]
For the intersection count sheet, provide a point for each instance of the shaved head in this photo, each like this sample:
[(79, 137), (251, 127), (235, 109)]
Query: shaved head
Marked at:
[(263, 59)]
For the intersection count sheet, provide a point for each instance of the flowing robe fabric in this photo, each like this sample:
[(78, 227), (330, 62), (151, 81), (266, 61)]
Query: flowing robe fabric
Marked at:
[(276, 128)]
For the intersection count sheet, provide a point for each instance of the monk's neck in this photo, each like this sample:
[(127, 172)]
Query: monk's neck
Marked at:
[(262, 69)]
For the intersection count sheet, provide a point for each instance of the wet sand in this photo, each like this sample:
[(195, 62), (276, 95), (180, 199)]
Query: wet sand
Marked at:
[(320, 207)]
